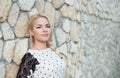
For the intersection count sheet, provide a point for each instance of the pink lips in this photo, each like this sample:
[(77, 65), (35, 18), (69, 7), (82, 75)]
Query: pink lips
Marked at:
[(45, 35)]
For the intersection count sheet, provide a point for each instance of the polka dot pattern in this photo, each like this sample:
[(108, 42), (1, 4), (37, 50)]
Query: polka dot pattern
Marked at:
[(50, 64)]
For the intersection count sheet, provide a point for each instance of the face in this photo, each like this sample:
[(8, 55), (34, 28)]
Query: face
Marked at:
[(41, 31)]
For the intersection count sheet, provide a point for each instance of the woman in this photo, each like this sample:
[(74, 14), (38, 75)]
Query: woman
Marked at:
[(41, 60)]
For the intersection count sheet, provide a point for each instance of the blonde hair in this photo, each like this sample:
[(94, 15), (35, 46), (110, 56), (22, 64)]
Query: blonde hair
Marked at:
[(49, 43), (30, 26)]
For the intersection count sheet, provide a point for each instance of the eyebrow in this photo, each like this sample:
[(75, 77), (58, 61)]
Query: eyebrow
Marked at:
[(47, 24), (41, 24)]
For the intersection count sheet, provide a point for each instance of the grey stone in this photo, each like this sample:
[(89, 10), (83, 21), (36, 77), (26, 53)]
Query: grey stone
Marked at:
[(32, 12), (6, 35), (4, 9), (80, 3), (11, 71), (114, 18), (13, 14), (74, 47), (85, 2), (73, 70), (66, 25), (49, 0), (74, 32), (106, 70), (90, 9), (1, 47), (8, 50), (0, 34), (21, 25), (84, 8), (58, 3), (78, 17), (64, 10), (50, 13), (13, 0), (60, 36), (69, 2), (57, 19), (26, 5), (72, 13), (99, 5), (98, 73), (75, 58), (89, 75), (40, 5), (85, 68), (2, 70), (63, 49), (77, 4), (54, 40), (20, 50), (85, 17)]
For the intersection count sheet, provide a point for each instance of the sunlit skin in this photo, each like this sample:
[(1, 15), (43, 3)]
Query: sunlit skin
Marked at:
[(41, 33)]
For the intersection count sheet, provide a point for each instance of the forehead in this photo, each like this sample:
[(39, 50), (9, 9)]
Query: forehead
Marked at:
[(41, 20)]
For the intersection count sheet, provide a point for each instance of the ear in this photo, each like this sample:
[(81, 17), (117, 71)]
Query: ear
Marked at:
[(31, 32)]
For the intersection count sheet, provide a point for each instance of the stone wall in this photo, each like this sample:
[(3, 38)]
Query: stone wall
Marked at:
[(87, 31)]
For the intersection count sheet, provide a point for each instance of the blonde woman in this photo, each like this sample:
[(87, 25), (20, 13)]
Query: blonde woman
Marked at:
[(41, 60)]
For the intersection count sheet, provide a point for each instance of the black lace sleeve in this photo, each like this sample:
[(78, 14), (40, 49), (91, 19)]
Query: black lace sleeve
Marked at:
[(28, 63)]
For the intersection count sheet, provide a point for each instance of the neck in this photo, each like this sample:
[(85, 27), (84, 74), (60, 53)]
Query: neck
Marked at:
[(40, 45)]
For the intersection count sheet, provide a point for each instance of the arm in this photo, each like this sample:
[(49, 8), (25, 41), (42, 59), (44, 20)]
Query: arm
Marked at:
[(27, 64)]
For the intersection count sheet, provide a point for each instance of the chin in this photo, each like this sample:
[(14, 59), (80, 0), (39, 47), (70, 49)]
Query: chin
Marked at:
[(45, 40)]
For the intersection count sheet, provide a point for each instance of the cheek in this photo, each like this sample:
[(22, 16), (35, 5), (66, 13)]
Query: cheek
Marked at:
[(50, 32), (36, 33)]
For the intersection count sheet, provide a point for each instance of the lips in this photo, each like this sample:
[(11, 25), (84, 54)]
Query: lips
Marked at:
[(45, 35)]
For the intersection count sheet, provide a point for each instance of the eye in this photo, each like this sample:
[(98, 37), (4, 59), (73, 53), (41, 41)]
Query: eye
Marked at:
[(48, 26), (38, 27)]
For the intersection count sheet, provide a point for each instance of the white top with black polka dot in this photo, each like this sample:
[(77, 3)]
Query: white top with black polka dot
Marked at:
[(50, 64)]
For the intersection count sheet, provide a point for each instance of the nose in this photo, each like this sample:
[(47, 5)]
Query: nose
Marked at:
[(44, 29)]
